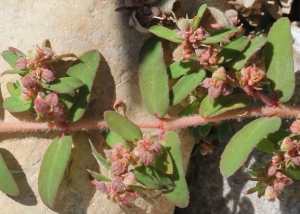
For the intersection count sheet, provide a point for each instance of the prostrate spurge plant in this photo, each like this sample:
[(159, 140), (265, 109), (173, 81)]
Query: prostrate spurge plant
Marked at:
[(216, 74)]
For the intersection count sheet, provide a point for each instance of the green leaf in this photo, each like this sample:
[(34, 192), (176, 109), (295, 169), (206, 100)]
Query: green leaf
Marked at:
[(59, 87), (8, 184), (12, 72), (204, 129), (13, 89), (137, 188), (190, 109), (180, 194), (164, 162), (177, 69), (166, 33), (232, 49), (243, 142), (146, 179), (277, 136), (122, 126), (197, 19), (295, 174), (160, 176), (186, 85), (72, 81), (223, 131), (279, 59), (11, 58), (266, 146), (219, 36), (155, 91), (85, 69), (112, 138), (67, 100), (99, 157), (17, 104), (98, 176), (210, 107), (253, 46), (53, 167)]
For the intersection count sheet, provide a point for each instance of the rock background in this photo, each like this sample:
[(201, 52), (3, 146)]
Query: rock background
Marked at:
[(78, 26)]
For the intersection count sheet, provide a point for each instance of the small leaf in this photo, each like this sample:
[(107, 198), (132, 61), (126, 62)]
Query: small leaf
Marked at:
[(53, 167), (197, 19), (98, 176), (13, 89), (186, 85), (190, 109), (155, 91), (243, 142), (166, 33), (204, 129), (146, 179), (17, 104), (232, 49), (219, 36), (180, 194), (59, 87), (122, 126), (295, 174), (223, 131), (85, 69), (279, 59), (253, 46), (177, 69), (46, 43), (160, 176), (99, 157), (210, 107), (11, 58), (266, 146), (67, 100), (137, 188), (277, 136), (12, 72), (8, 184), (164, 162), (112, 138), (72, 81)]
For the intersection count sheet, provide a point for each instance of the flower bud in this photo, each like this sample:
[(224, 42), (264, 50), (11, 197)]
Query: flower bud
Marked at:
[(52, 99), (117, 184), (40, 106), (184, 24), (286, 144), (21, 63), (46, 75), (270, 193), (146, 158), (118, 167), (28, 82), (129, 179), (220, 74), (156, 148), (295, 127), (99, 185)]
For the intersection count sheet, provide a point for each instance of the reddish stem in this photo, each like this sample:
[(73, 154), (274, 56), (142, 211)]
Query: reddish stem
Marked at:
[(168, 124)]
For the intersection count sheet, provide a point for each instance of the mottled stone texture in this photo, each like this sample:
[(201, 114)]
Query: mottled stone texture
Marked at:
[(74, 26)]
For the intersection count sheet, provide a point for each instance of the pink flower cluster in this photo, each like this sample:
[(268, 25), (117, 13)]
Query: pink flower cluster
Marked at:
[(251, 76), (218, 84), (146, 150)]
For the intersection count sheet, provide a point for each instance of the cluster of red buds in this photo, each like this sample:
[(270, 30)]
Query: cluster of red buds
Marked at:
[(39, 71), (218, 84), (118, 190), (251, 76)]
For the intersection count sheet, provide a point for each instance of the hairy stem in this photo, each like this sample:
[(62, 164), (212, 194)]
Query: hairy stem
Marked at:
[(168, 123)]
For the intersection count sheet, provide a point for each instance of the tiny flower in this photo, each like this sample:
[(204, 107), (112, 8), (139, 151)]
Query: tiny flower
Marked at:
[(129, 179), (117, 185), (251, 75), (99, 185), (21, 63), (119, 167), (28, 82), (146, 158), (156, 148), (41, 106), (270, 193), (287, 144), (43, 74), (295, 127)]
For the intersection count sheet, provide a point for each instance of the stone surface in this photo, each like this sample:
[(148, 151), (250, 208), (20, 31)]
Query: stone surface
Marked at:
[(74, 26)]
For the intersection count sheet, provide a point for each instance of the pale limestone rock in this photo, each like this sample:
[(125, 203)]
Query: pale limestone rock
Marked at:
[(74, 26)]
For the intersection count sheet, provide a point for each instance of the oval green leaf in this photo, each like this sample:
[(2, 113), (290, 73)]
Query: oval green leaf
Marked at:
[(223, 131), (180, 194), (53, 167), (17, 104), (11, 58), (204, 129), (219, 36), (59, 87), (13, 89), (266, 146), (72, 81), (153, 78), (232, 49), (243, 142), (279, 59), (197, 19), (190, 109), (147, 180), (295, 174), (186, 85), (122, 126), (166, 33), (253, 46), (85, 69), (177, 69), (8, 184)]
